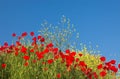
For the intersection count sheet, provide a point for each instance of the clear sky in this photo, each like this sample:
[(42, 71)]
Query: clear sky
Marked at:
[(98, 21)]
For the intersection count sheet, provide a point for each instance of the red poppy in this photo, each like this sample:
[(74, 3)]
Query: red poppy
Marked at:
[(69, 60), (16, 53), (19, 37), (99, 66), (62, 55), (72, 54), (112, 61), (80, 54), (39, 37), (3, 65), (39, 55), (24, 34), (108, 64), (83, 69), (31, 50), (102, 58), (50, 45), (58, 75), (56, 56), (45, 51), (67, 51), (5, 44), (32, 33), (14, 35), (114, 69), (26, 57), (26, 64), (34, 39), (24, 50), (50, 61), (89, 70), (119, 66), (55, 50), (11, 46), (82, 63), (106, 67), (95, 75), (103, 73), (77, 59), (90, 76), (42, 39), (18, 43), (16, 49), (9, 51)]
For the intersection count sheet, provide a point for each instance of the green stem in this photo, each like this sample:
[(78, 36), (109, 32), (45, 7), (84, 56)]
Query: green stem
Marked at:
[(2, 74)]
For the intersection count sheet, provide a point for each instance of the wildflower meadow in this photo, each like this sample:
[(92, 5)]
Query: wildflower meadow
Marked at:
[(50, 55)]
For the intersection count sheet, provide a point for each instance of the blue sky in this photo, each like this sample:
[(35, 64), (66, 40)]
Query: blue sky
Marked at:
[(97, 21)]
